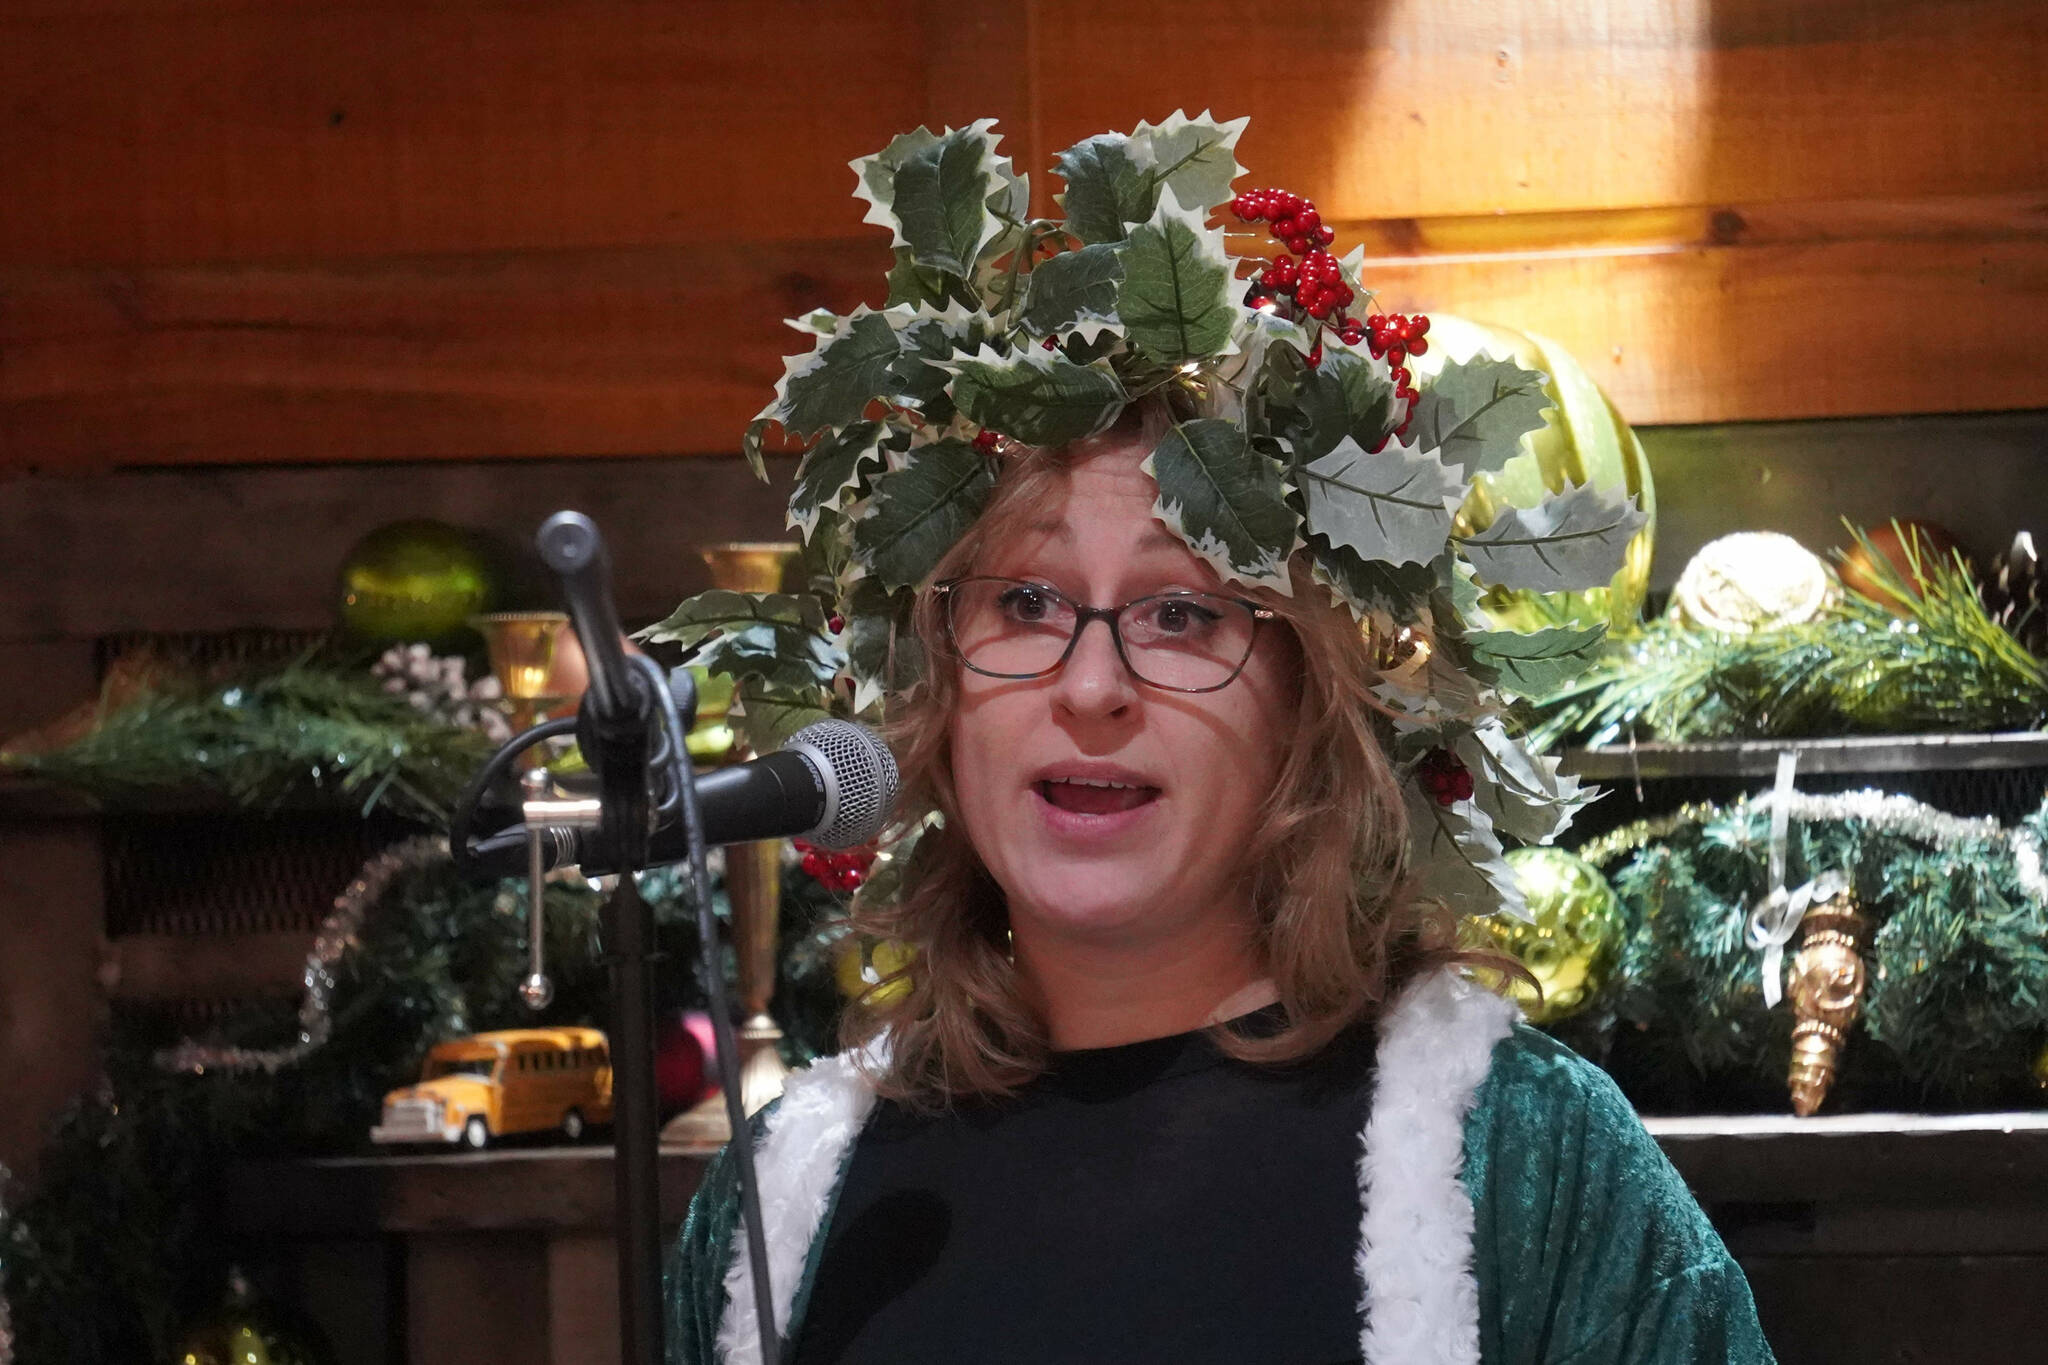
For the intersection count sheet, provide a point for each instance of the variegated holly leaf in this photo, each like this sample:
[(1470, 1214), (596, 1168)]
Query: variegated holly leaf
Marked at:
[(1536, 664), (833, 385), (830, 470), (716, 610), (776, 637), (1345, 394), (919, 510), (919, 376), (1568, 542), (1457, 856), (767, 715), (914, 284), (1226, 500), (882, 652), (819, 322), (875, 179), (1195, 158), (1106, 190), (751, 443), (1037, 396), (1395, 505), (1391, 594), (1477, 412), (1073, 290), (1522, 793), (940, 198), (1177, 300)]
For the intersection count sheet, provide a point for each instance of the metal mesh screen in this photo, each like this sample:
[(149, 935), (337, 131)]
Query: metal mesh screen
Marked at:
[(866, 773)]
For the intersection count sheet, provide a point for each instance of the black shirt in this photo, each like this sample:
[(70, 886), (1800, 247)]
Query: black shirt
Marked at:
[(1154, 1202)]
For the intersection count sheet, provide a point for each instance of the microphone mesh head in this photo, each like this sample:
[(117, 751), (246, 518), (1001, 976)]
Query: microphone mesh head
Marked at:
[(864, 771)]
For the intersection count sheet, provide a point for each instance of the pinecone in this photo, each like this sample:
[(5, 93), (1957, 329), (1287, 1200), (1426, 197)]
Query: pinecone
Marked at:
[(2015, 595)]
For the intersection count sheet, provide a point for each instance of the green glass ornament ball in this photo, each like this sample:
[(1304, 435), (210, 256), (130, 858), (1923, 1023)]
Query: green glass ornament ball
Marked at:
[(415, 580), (1573, 940)]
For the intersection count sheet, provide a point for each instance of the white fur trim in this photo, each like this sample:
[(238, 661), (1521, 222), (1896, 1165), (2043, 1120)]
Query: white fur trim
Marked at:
[(1421, 1299), (798, 1163)]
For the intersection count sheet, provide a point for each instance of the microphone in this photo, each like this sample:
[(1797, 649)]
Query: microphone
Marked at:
[(833, 783)]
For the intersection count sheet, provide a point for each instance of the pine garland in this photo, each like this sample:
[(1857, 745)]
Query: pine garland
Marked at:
[(261, 739), (1957, 1005), (1944, 665)]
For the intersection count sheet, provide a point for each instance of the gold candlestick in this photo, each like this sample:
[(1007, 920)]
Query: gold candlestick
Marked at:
[(522, 646), (1827, 995), (753, 883)]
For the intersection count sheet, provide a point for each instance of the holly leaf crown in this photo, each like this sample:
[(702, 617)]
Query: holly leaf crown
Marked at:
[(1298, 428)]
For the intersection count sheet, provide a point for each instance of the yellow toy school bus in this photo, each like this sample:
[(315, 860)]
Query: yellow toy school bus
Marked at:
[(488, 1085)]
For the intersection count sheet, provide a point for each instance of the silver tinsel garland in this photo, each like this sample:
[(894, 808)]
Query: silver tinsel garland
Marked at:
[(1880, 811), (338, 933)]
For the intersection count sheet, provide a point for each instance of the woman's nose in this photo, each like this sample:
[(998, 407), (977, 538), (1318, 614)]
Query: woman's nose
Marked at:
[(1094, 681)]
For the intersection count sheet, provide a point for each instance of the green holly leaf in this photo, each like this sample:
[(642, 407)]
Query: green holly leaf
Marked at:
[(919, 511), (1521, 793), (1074, 291), (830, 470), (776, 637), (1226, 500), (1177, 300), (1106, 190), (941, 199), (919, 376), (833, 385), (1477, 412), (882, 652), (1536, 664), (766, 715), (915, 285), (1037, 396), (1314, 409), (1369, 400), (1372, 588), (1195, 158), (1395, 505), (1568, 542), (1457, 857), (751, 443), (875, 179)]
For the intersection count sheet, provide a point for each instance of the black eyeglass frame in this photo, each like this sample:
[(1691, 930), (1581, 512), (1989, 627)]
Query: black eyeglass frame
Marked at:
[(1083, 614)]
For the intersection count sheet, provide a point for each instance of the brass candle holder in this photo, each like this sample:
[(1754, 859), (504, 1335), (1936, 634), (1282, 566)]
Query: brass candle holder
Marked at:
[(522, 646), (753, 884)]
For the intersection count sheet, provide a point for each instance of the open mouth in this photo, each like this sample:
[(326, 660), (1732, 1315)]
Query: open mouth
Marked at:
[(1095, 797)]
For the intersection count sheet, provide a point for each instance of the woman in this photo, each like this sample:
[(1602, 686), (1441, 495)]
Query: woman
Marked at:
[(1184, 1073)]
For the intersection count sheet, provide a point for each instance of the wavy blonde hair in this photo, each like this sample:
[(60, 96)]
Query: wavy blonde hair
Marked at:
[(1327, 864)]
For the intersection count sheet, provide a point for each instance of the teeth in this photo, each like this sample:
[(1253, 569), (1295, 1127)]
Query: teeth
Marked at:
[(1098, 782)]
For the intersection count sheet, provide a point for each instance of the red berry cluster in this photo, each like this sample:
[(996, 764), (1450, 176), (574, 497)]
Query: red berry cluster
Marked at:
[(985, 442), (837, 870), (1314, 283), (1316, 287), (1445, 777), (1396, 337)]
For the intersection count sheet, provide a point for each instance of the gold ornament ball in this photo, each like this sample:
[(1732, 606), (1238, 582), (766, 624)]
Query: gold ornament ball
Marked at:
[(2041, 1067), (414, 580), (1573, 940), (1584, 440), (861, 965)]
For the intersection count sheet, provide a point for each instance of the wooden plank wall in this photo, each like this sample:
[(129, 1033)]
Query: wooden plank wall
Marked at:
[(252, 231)]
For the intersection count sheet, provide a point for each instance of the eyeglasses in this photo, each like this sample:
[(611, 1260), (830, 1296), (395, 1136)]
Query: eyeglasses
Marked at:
[(1176, 641)]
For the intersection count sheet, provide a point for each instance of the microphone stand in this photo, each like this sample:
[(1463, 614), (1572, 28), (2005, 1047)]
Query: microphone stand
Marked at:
[(631, 721)]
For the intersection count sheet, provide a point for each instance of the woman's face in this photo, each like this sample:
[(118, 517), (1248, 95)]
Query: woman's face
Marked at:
[(1024, 751)]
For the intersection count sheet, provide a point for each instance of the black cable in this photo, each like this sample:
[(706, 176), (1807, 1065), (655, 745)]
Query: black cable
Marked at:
[(462, 820), (742, 1147)]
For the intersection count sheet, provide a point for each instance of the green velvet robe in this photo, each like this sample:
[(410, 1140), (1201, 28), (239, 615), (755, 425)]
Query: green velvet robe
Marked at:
[(1586, 1246)]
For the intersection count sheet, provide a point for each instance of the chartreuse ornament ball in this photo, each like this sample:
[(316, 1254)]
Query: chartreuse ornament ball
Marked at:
[(415, 581), (244, 1330), (1584, 440), (1573, 939)]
